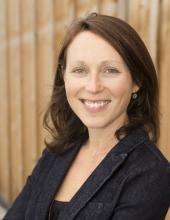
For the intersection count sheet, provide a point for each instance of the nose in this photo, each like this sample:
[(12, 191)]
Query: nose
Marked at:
[(94, 84)]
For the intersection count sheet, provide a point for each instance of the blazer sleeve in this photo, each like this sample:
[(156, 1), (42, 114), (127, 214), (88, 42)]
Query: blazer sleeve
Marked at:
[(18, 208), (146, 194)]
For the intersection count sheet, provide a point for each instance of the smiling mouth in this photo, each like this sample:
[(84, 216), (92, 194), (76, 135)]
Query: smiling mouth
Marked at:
[(95, 104)]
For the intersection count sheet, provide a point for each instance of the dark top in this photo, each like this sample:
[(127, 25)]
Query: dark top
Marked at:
[(132, 182), (56, 208)]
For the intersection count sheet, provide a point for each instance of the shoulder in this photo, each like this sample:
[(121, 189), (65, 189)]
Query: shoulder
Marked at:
[(141, 151), (145, 181), (43, 165), (147, 163), (144, 157), (46, 157), (148, 154)]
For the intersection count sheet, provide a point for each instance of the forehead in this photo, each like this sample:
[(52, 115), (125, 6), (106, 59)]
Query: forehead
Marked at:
[(90, 46)]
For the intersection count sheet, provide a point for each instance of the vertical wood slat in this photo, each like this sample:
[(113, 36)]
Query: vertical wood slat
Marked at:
[(28, 70), (122, 9), (45, 61), (153, 29), (64, 13), (15, 96), (164, 78), (108, 7), (4, 108), (139, 17)]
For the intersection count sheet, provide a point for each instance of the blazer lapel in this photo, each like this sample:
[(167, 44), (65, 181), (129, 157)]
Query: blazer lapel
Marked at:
[(53, 181), (94, 182)]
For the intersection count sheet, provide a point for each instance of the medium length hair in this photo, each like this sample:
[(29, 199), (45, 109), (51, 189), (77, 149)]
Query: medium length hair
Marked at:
[(64, 125)]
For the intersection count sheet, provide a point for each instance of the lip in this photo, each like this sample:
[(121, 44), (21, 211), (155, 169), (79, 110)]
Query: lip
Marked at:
[(94, 106), (94, 100)]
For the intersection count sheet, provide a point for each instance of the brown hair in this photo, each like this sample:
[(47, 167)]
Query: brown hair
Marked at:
[(65, 127)]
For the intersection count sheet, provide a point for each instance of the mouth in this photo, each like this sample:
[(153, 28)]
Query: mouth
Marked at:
[(95, 105)]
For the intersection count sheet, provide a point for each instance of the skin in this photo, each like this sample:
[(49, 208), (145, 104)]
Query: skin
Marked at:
[(96, 73)]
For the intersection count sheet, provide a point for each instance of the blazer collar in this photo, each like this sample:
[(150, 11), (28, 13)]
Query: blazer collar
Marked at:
[(107, 167)]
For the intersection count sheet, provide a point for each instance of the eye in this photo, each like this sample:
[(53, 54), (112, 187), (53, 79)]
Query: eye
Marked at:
[(79, 71), (110, 70)]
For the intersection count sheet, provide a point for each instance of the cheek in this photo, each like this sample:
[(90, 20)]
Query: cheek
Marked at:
[(122, 89), (72, 85), (71, 88)]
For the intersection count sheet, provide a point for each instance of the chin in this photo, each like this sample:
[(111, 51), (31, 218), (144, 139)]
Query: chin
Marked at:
[(95, 125)]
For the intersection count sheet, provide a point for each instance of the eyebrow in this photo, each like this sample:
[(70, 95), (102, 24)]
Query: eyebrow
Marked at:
[(78, 62), (104, 62)]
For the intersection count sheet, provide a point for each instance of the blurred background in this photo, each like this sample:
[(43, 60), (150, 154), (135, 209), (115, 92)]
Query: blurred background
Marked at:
[(31, 32)]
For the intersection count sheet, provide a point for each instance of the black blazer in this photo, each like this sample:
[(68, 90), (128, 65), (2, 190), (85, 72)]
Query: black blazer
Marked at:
[(131, 183)]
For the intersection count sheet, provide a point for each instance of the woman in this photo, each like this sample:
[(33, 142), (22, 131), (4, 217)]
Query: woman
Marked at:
[(102, 162)]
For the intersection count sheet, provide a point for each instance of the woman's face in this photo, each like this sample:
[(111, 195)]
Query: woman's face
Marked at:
[(97, 82)]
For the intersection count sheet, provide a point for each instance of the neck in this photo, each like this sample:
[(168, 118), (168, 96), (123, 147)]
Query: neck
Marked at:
[(101, 140)]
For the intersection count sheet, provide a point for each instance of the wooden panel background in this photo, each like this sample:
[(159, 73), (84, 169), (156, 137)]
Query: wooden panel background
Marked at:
[(31, 32)]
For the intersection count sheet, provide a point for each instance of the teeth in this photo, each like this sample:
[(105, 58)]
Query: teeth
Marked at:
[(95, 104)]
